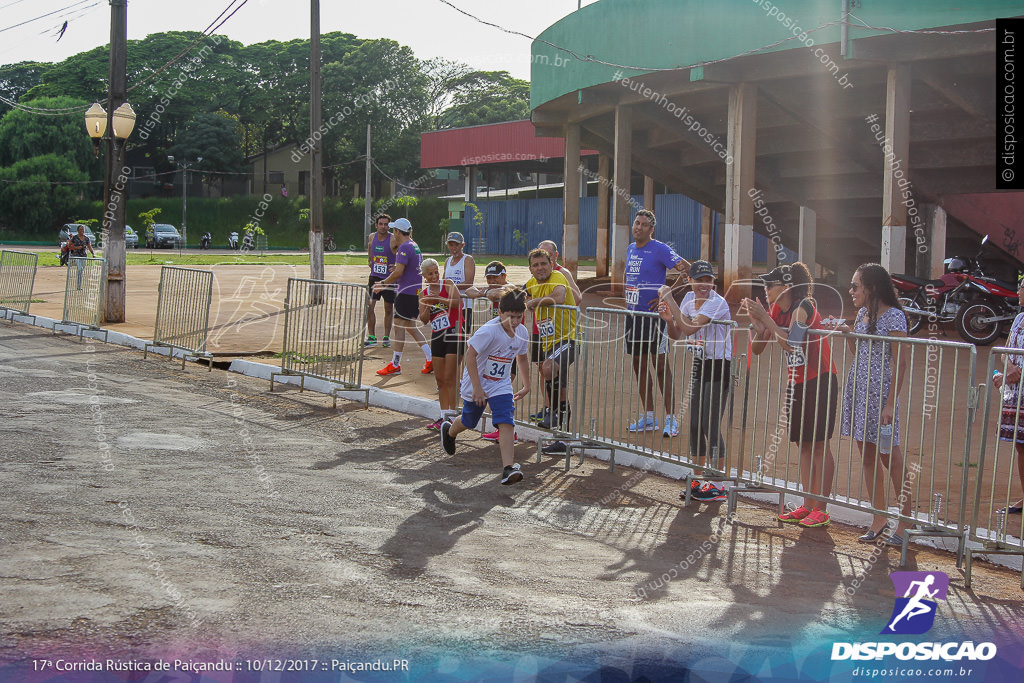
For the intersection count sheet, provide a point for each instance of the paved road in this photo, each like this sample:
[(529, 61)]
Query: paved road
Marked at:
[(155, 513)]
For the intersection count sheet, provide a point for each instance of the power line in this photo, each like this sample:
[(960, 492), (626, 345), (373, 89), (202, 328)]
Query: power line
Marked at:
[(43, 16)]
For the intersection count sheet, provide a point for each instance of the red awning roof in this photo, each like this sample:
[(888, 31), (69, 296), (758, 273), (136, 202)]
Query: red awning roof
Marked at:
[(495, 143)]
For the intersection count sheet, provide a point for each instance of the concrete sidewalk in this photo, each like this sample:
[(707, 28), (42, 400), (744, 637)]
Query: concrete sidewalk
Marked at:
[(151, 512)]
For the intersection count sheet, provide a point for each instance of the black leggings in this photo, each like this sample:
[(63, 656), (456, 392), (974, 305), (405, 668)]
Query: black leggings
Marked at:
[(709, 395)]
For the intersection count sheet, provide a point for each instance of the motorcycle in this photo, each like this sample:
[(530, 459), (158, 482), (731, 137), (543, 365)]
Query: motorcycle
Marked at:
[(934, 300), (204, 241), (329, 244), (991, 305), (248, 243), (233, 240)]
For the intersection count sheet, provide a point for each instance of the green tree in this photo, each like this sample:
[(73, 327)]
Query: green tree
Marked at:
[(18, 79), (39, 193), (480, 97), (24, 135)]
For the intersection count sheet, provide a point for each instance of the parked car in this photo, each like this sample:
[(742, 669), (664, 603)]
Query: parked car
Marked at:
[(68, 230), (131, 240), (164, 235)]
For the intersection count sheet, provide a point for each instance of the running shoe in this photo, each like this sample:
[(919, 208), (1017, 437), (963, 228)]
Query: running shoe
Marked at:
[(540, 415), (387, 342), (428, 367), (390, 369), (816, 518), (555, 420), (870, 535), (556, 448), (671, 426), (894, 539), (510, 475), (708, 492), (643, 424), (694, 488), (794, 516), (447, 442), (370, 341), (493, 436), (436, 424)]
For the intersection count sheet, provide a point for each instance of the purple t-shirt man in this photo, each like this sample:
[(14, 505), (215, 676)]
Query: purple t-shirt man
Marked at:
[(383, 259), (408, 255), (646, 270)]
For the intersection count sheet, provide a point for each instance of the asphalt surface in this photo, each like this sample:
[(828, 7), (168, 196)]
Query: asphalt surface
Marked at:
[(151, 512)]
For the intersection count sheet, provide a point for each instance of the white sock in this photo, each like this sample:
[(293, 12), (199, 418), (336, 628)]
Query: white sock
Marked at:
[(396, 359), (650, 414), (426, 352)]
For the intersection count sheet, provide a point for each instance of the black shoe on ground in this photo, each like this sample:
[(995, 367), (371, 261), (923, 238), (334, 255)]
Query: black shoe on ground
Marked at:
[(553, 420), (709, 493), (510, 475), (539, 415), (556, 448), (447, 442)]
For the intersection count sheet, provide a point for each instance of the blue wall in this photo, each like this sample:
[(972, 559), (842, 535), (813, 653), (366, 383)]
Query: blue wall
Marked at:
[(513, 227)]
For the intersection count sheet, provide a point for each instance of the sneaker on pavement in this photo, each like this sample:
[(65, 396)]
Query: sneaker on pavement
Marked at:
[(387, 342), (390, 369), (643, 424), (428, 367), (493, 436), (671, 426), (695, 485), (708, 493), (447, 442), (436, 424), (556, 448), (510, 475), (550, 421), (794, 516), (816, 518), (370, 341)]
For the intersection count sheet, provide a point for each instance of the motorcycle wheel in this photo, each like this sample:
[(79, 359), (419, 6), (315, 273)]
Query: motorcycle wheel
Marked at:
[(971, 329), (914, 321)]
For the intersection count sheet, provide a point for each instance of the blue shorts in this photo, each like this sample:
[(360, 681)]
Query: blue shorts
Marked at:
[(503, 408)]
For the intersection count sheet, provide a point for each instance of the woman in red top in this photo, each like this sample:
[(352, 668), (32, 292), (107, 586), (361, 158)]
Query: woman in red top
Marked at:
[(441, 309), (813, 386)]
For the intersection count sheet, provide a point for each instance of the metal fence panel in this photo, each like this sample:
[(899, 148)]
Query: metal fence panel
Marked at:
[(928, 485), (1000, 465), (183, 308), (17, 277), (323, 328), (83, 291)]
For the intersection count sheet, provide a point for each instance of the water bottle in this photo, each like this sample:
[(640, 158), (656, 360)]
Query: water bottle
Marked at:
[(885, 439), (1007, 392)]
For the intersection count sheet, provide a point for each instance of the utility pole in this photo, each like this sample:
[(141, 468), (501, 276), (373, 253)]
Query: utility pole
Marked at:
[(367, 227), (114, 196), (316, 193)]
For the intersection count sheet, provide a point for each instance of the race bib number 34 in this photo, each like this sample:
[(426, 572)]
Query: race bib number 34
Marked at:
[(497, 368)]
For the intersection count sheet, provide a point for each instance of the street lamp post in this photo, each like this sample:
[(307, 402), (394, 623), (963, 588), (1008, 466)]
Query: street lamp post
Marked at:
[(184, 166)]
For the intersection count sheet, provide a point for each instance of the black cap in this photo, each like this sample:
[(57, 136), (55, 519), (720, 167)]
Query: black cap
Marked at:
[(701, 269), (494, 269), (777, 275)]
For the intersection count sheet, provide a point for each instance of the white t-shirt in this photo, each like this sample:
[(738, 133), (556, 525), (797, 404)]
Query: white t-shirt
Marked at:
[(713, 341), (496, 351), (457, 273)]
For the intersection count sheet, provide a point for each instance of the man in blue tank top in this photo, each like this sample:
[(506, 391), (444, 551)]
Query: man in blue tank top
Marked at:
[(382, 262)]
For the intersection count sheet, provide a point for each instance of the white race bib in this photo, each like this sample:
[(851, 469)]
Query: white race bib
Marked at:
[(380, 265), (546, 327), (795, 359), (440, 323), (497, 368), (697, 349), (632, 296)]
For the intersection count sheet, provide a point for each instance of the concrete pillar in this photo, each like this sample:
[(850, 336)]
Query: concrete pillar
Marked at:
[(930, 246), (571, 199), (604, 172), (705, 234), (649, 193), (896, 173), (620, 199), (739, 207), (808, 237), (470, 183)]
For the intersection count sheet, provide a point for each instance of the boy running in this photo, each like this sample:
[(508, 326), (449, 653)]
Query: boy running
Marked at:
[(486, 379)]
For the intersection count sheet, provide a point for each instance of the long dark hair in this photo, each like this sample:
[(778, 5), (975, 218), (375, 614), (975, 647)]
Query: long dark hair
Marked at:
[(876, 280)]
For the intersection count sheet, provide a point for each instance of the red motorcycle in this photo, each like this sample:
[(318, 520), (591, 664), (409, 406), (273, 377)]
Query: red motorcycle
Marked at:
[(936, 301), (992, 306)]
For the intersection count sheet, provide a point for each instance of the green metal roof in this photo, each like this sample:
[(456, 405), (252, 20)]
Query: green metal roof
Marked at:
[(671, 34)]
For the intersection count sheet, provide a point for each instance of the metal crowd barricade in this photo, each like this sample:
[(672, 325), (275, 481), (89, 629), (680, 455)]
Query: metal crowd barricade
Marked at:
[(17, 277), (938, 388), (183, 312), (692, 401), (559, 329), (323, 327), (1000, 469), (83, 293)]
